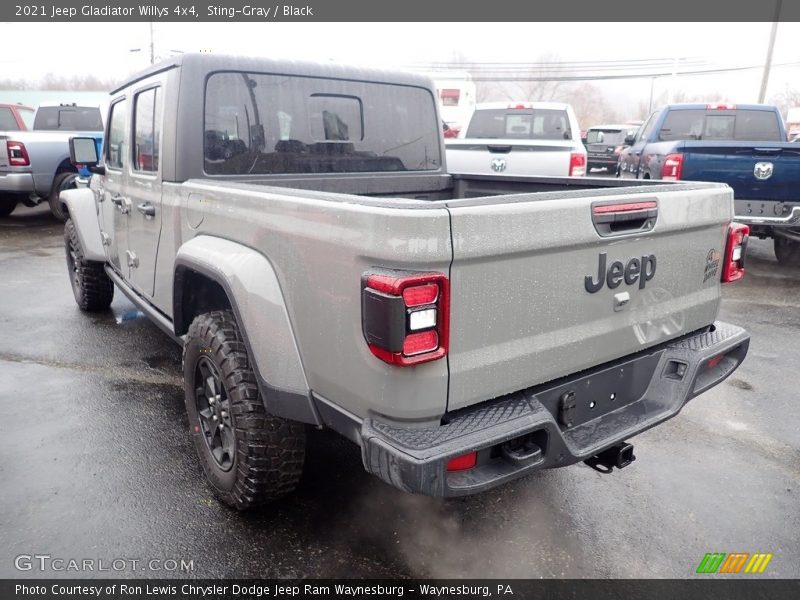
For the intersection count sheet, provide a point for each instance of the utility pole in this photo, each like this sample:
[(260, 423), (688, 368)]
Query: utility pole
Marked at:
[(765, 79), (673, 80), (152, 45)]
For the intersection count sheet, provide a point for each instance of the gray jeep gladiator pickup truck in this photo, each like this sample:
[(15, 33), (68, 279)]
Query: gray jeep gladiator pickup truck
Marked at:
[(293, 226)]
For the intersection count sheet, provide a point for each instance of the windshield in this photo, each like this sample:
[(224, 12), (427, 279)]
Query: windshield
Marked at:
[(269, 124), (526, 124)]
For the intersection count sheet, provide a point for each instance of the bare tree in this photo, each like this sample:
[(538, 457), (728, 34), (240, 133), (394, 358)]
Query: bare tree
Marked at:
[(788, 98), (538, 83), (52, 82), (590, 106)]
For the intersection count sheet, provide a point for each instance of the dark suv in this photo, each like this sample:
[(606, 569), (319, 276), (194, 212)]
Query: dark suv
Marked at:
[(603, 144)]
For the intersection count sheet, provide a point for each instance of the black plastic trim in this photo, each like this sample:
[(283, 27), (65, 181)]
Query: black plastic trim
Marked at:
[(278, 401), (414, 458)]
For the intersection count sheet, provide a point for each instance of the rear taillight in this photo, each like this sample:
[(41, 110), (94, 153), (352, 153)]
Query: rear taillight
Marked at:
[(405, 316), (733, 266), (577, 164), (720, 106), (672, 168), (17, 154)]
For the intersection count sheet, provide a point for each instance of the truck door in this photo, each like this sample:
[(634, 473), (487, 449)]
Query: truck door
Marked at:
[(114, 206), (144, 188)]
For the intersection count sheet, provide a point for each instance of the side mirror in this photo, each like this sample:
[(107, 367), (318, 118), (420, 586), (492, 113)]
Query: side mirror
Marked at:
[(83, 151), (629, 139)]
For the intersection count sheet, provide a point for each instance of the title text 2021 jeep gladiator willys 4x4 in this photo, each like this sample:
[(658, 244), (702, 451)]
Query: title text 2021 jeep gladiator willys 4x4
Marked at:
[(293, 226)]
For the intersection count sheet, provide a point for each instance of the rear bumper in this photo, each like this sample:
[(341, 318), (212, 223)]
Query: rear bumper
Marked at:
[(16, 183), (767, 212), (415, 460)]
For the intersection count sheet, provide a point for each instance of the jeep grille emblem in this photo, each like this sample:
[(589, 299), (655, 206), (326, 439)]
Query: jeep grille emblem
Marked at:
[(763, 170)]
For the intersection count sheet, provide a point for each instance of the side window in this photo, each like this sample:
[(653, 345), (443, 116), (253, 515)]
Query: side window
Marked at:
[(27, 117), (147, 130), (115, 144), (7, 120), (647, 128)]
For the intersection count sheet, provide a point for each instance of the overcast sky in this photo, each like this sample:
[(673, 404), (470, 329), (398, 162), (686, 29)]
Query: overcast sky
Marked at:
[(104, 48)]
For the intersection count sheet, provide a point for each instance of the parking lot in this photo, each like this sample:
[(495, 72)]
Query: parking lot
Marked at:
[(97, 462)]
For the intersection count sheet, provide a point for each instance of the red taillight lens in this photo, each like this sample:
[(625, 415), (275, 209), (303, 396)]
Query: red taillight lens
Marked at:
[(720, 106), (577, 164), (17, 154), (672, 168), (405, 316), (417, 343), (733, 265), (463, 462), (421, 294)]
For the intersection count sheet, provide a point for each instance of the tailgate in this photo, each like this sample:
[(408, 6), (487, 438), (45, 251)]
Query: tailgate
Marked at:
[(509, 157), (735, 163), (3, 153), (522, 312)]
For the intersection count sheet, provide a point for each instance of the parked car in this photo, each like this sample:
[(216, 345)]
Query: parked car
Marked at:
[(604, 144), (462, 330), (744, 146), (450, 132), (519, 138), (35, 165), (16, 117)]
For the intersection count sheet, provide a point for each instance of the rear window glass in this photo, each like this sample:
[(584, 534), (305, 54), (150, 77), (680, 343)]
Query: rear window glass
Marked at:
[(271, 124), (734, 125), (68, 118), (535, 124), (612, 137)]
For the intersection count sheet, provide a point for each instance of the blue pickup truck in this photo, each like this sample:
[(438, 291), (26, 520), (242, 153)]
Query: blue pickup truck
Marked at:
[(743, 145)]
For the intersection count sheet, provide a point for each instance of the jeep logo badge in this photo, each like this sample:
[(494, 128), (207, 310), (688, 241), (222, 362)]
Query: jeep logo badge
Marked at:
[(637, 269), (763, 170), (498, 165)]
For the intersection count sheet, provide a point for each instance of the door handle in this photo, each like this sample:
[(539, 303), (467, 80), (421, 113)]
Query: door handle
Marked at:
[(147, 209), (122, 203)]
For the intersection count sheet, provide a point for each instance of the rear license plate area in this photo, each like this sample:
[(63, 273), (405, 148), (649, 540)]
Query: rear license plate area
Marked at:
[(578, 400)]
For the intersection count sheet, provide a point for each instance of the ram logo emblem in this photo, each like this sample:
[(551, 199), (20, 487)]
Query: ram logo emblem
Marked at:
[(763, 170), (498, 165)]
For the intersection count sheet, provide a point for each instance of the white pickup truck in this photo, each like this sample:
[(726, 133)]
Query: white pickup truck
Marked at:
[(35, 165), (519, 138)]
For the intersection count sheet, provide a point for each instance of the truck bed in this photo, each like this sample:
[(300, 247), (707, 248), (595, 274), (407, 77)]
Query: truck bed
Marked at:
[(520, 255)]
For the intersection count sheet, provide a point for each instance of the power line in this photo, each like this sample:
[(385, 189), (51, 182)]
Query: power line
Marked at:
[(526, 76)]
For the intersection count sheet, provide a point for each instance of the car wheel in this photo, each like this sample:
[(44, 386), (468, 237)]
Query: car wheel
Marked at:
[(7, 207), (91, 286), (787, 251), (249, 456), (62, 181)]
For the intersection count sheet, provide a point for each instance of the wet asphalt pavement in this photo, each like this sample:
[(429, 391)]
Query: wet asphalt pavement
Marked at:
[(96, 461)]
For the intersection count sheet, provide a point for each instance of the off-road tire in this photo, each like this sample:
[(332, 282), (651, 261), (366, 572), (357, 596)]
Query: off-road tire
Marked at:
[(7, 207), (787, 251), (268, 451), (62, 181), (91, 286)]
